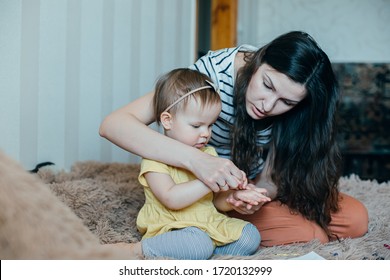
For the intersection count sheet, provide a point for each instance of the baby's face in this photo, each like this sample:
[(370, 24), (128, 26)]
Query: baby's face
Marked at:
[(192, 125)]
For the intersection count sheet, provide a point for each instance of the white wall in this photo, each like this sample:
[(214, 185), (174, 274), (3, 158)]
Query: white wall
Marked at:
[(65, 64), (348, 30)]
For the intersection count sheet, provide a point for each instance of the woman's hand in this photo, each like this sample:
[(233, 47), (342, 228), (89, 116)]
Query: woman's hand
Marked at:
[(219, 174)]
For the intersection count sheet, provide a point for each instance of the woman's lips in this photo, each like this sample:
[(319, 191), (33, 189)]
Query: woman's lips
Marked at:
[(258, 113)]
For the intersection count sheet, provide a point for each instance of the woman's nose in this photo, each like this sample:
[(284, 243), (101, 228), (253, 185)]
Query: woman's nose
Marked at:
[(269, 104)]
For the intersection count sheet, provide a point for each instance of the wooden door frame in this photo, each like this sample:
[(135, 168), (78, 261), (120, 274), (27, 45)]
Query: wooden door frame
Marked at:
[(223, 23)]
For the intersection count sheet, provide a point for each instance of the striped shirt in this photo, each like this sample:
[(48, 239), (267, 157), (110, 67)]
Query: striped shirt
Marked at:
[(219, 66)]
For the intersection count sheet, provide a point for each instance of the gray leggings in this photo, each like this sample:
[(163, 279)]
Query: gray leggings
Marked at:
[(192, 243)]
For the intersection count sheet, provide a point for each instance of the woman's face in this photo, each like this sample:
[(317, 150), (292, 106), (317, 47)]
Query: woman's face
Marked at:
[(272, 93)]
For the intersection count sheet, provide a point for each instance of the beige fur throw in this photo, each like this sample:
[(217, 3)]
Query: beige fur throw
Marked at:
[(35, 224)]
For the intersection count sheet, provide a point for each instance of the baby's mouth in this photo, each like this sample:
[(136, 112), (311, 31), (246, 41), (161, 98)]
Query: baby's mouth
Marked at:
[(200, 145)]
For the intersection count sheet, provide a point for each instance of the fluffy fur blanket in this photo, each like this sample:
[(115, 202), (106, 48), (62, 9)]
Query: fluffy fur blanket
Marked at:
[(68, 215)]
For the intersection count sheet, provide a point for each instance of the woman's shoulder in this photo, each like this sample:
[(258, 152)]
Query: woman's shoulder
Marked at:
[(221, 64), (233, 50), (248, 48), (228, 54)]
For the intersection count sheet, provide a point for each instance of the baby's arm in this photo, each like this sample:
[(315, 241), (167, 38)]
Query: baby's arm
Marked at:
[(175, 196)]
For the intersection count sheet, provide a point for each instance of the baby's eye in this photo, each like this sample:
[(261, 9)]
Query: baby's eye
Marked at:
[(195, 125)]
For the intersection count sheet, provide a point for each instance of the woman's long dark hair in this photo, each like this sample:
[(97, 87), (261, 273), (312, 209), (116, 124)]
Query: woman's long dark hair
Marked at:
[(305, 158)]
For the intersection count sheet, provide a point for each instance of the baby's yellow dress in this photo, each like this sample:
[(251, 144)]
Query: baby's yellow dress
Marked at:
[(154, 218)]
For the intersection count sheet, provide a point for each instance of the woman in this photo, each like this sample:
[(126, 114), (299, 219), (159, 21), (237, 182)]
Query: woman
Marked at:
[(280, 99)]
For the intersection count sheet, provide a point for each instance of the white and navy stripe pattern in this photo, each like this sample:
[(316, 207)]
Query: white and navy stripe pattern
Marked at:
[(219, 66)]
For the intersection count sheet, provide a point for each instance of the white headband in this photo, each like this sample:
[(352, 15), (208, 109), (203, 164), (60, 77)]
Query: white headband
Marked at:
[(211, 85)]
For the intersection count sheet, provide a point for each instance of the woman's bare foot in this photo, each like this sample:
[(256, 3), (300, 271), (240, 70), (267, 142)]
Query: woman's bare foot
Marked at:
[(133, 249)]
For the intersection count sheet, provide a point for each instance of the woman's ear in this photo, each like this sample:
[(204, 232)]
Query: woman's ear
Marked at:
[(166, 120)]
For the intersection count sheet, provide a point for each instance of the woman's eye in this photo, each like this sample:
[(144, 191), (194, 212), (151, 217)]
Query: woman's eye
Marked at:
[(267, 86), (288, 103)]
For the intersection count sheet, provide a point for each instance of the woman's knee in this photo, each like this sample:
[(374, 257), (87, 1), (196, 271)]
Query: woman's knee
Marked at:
[(279, 226), (351, 221)]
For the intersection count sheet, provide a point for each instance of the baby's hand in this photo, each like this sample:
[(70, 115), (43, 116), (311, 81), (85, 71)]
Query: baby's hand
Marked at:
[(251, 196)]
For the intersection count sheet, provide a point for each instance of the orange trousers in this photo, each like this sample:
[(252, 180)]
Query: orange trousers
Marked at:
[(278, 226)]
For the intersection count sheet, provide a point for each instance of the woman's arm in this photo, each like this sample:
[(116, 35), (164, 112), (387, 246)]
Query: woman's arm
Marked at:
[(128, 128), (175, 196), (264, 180)]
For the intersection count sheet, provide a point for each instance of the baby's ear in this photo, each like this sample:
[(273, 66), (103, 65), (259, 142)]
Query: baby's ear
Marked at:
[(166, 120)]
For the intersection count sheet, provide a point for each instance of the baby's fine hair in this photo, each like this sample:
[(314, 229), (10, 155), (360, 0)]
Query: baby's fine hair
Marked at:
[(176, 83)]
